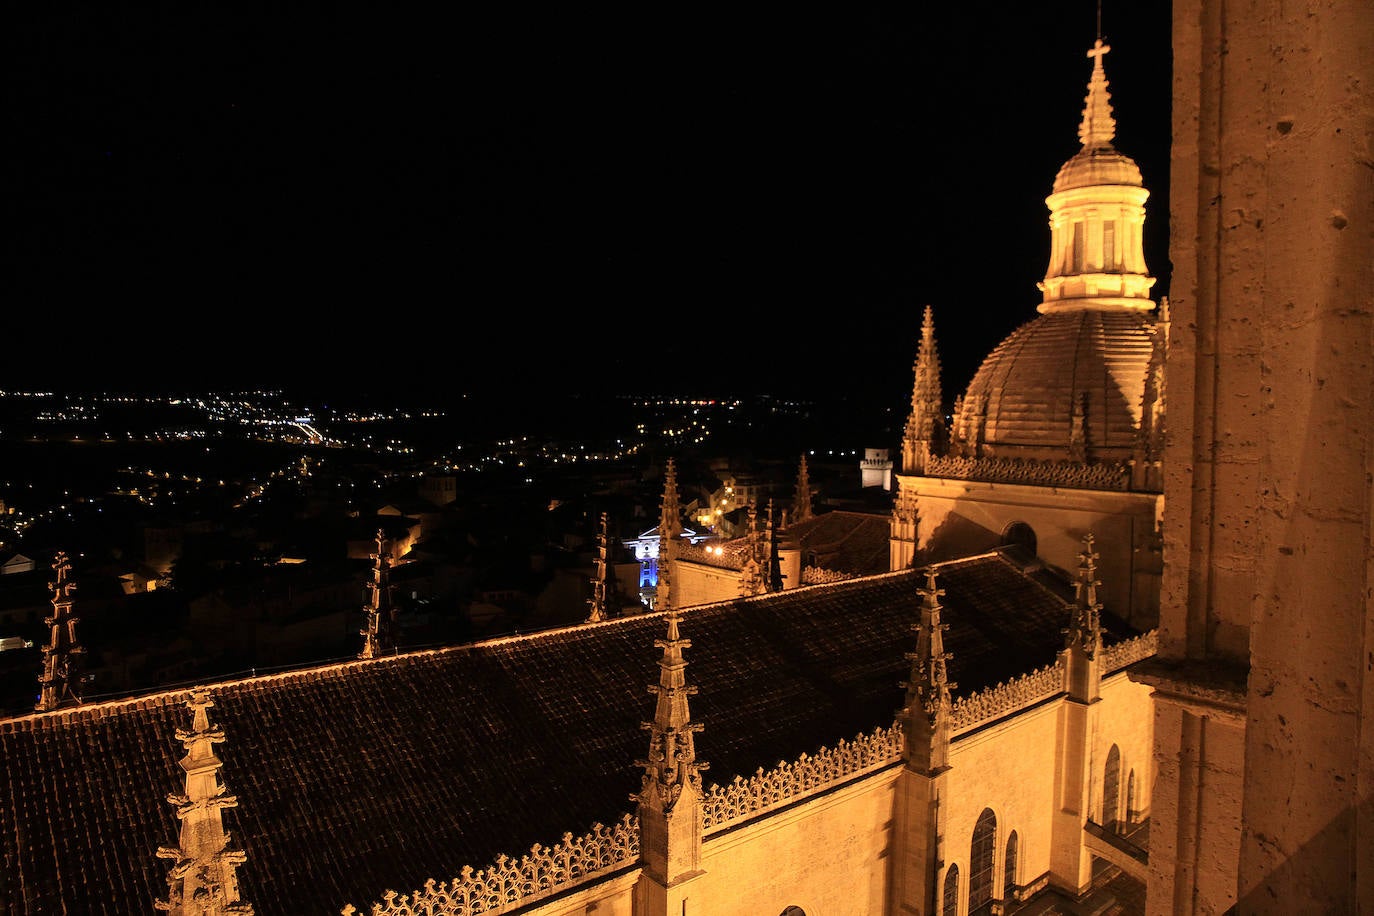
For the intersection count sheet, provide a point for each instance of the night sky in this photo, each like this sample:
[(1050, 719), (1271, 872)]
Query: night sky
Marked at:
[(365, 197)]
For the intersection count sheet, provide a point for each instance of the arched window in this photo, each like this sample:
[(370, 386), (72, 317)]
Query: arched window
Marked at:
[(980, 863), (1111, 790), (1132, 806), (1019, 534), (794, 911), (950, 906), (1010, 871)]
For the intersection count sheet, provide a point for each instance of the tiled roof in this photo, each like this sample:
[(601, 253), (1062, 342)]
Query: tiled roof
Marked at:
[(357, 778), (1034, 378), (856, 543)]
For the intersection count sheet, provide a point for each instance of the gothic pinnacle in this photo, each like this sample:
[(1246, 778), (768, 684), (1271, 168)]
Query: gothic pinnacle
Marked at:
[(671, 765), (203, 880), (1085, 628), (376, 631), (61, 677)]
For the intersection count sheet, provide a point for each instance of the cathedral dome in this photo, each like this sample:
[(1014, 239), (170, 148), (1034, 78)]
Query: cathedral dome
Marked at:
[(1096, 167), (1063, 386)]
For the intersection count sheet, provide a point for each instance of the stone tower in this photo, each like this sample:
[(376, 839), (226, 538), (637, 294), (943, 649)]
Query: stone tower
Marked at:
[(1264, 677)]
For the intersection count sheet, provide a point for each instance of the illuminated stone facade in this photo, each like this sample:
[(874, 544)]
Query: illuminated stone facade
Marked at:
[(1060, 432), (1264, 682)]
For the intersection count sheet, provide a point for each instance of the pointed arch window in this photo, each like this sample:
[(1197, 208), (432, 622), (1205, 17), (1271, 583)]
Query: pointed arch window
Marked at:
[(950, 903), (1111, 790), (1009, 871), (982, 853)]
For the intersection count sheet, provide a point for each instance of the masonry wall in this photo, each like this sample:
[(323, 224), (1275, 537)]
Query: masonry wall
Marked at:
[(1010, 768), (960, 517), (1267, 631), (1127, 723), (828, 856), (697, 583)]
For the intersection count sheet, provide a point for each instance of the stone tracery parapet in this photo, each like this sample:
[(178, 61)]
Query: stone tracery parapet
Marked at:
[(1008, 697), (744, 798), (510, 883), (1070, 474), (815, 575), (1129, 651)]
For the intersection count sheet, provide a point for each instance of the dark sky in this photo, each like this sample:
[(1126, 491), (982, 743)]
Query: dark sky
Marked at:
[(356, 196)]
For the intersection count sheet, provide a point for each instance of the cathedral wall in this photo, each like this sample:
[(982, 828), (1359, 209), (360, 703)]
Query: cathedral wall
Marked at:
[(959, 517), (610, 897), (1125, 721), (1009, 768), (828, 856), (695, 583)]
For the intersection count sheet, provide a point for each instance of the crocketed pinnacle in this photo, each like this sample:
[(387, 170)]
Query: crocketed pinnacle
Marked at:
[(1085, 627), (669, 529), (376, 631), (203, 880), (603, 583), (926, 395), (61, 678), (672, 763), (801, 502), (928, 691), (1098, 128)]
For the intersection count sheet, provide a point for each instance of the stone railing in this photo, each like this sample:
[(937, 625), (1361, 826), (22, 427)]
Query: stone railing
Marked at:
[(510, 884), (814, 575), (1070, 474), (789, 781), (1006, 698), (1129, 651)]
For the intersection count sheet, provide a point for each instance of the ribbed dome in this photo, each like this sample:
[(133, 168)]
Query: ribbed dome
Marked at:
[(1093, 167), (1034, 378)]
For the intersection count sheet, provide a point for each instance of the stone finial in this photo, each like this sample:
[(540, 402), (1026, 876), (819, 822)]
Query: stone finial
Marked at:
[(927, 710), (669, 530), (801, 502), (603, 601), (378, 638), (60, 681), (203, 879), (1085, 627), (1098, 128), (925, 424)]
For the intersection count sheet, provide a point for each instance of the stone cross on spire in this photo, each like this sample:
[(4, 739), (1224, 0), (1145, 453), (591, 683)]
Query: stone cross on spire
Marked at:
[(1098, 127)]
